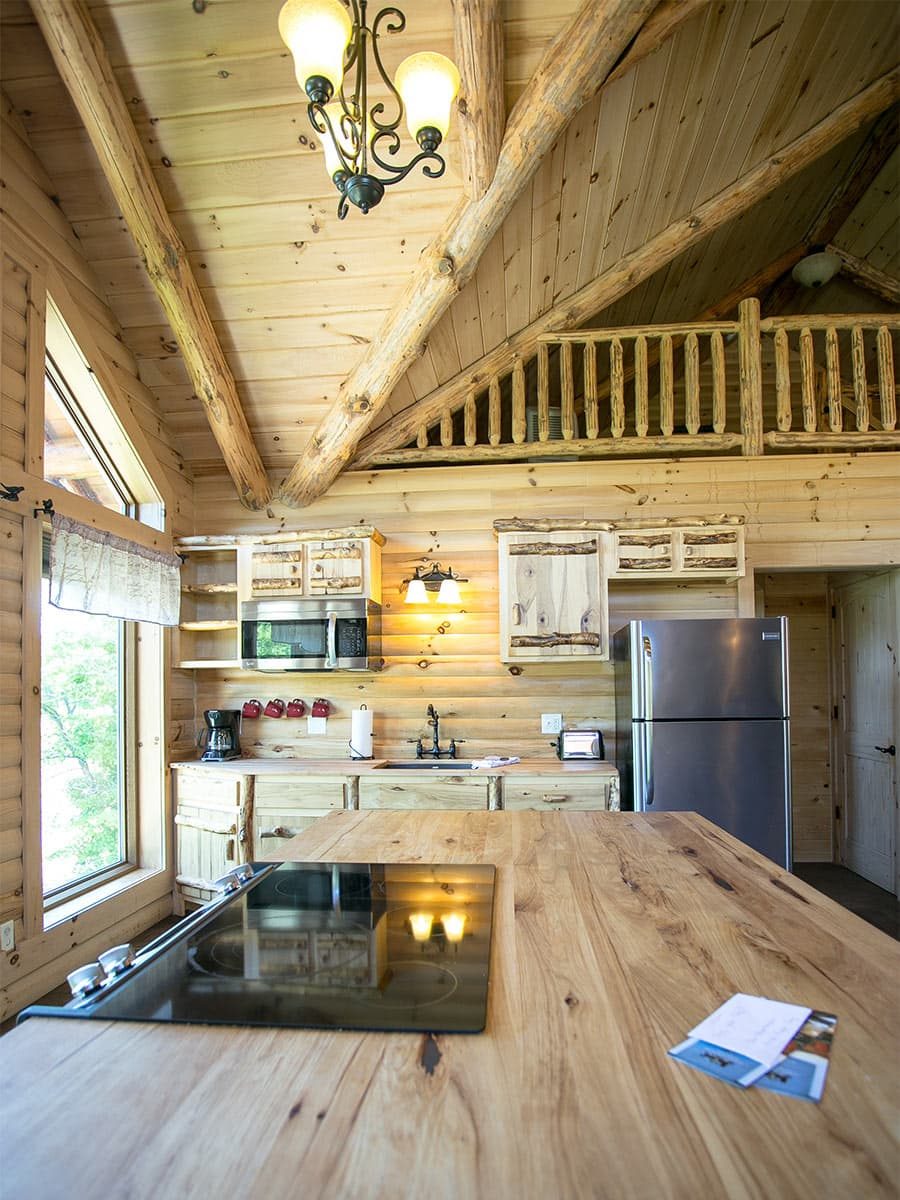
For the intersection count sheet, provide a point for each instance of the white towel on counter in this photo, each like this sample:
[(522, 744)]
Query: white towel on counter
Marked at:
[(494, 760)]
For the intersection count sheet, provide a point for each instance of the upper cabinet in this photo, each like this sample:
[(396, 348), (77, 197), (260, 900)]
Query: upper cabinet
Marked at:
[(315, 564), (553, 602), (696, 551)]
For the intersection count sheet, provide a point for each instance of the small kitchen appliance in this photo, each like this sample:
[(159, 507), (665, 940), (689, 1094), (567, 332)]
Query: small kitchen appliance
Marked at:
[(579, 743), (378, 946), (222, 741), (315, 634)]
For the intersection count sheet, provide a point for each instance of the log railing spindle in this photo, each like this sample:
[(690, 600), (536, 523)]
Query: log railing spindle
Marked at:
[(692, 383), (591, 423), (567, 391), (494, 411), (543, 391), (860, 391), (422, 437), (470, 431), (641, 403), (886, 378), (446, 427), (519, 429), (782, 381), (808, 381), (717, 348), (833, 380), (666, 389), (616, 388)]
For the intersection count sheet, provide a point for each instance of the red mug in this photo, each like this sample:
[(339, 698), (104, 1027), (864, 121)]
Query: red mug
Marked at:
[(275, 708), (296, 708), (251, 708), (321, 708)]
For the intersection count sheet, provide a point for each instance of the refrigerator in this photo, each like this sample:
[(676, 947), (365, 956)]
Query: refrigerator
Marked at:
[(703, 724)]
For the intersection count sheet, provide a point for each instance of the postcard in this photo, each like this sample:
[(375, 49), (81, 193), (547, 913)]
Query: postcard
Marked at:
[(752, 1026), (719, 1062), (802, 1072)]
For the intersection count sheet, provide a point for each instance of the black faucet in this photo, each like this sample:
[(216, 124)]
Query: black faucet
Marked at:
[(435, 751)]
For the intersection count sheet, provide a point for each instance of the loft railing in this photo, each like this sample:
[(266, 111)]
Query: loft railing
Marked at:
[(748, 386)]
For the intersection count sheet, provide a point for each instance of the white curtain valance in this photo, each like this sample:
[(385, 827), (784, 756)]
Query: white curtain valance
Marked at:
[(97, 572)]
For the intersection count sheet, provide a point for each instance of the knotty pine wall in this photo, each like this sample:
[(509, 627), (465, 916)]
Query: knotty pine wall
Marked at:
[(39, 250), (802, 514)]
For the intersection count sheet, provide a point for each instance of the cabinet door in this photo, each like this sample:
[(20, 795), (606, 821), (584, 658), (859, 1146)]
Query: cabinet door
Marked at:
[(272, 571), (712, 551), (646, 552), (207, 831), (336, 568), (553, 603), (284, 806), (207, 634), (557, 792)]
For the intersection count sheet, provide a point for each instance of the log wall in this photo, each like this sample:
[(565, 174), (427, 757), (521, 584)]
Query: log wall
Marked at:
[(40, 251), (830, 512)]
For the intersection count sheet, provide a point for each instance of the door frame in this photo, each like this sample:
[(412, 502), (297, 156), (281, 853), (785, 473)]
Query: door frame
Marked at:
[(837, 581)]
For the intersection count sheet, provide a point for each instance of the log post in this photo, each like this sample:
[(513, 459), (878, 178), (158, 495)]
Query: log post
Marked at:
[(751, 376), (478, 47), (886, 378)]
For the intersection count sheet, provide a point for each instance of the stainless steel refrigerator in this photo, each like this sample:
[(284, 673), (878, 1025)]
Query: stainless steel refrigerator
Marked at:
[(703, 724)]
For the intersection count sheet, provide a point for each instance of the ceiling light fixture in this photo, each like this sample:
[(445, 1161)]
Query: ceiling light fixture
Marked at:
[(326, 44), (445, 583), (817, 268)]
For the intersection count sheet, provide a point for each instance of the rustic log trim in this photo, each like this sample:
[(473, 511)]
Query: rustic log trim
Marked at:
[(875, 439), (639, 265), (571, 73), (704, 564), (556, 639), (625, 447), (84, 66), (647, 539), (561, 524), (662, 563), (869, 278), (709, 539), (553, 549), (481, 107), (228, 541)]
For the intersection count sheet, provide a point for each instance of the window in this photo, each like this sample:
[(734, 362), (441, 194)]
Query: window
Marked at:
[(89, 765)]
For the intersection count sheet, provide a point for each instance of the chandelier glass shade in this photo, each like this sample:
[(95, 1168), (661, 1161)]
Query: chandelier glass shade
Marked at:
[(330, 46)]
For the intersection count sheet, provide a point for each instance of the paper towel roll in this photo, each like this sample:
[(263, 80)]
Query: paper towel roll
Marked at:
[(361, 733)]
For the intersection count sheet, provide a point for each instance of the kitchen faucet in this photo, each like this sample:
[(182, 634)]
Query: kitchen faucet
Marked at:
[(435, 751)]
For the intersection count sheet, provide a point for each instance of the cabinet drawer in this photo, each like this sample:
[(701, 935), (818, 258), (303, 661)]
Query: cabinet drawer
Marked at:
[(288, 792), (274, 827), (547, 791), (205, 788), (396, 790)]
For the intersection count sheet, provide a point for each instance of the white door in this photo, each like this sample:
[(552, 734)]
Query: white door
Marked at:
[(868, 633)]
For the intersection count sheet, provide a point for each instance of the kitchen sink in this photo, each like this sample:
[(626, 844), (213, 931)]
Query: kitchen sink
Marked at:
[(424, 764)]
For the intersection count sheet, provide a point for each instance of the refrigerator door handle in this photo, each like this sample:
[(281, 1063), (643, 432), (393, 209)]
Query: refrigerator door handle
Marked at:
[(646, 677), (645, 764)]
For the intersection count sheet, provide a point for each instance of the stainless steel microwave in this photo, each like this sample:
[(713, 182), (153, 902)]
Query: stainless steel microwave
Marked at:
[(328, 634)]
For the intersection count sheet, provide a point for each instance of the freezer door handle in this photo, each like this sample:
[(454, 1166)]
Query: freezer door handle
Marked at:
[(646, 677), (645, 764)]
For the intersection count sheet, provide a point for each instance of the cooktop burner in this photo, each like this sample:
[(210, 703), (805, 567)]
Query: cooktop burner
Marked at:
[(390, 946)]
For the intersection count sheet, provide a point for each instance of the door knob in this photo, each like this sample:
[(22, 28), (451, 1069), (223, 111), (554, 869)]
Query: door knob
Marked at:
[(891, 750)]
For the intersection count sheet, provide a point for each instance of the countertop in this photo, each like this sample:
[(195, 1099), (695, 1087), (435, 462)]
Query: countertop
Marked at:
[(362, 766), (613, 935)]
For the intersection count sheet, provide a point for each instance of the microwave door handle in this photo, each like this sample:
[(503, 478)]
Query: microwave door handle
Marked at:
[(331, 652)]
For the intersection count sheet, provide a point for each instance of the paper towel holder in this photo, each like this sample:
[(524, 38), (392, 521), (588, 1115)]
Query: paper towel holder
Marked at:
[(354, 752)]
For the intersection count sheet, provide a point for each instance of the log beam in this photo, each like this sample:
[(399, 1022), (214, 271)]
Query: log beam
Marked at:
[(84, 65), (869, 278), (640, 264), (571, 73), (481, 107)]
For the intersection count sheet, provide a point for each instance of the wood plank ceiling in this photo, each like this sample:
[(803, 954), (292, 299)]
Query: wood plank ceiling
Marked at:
[(296, 297)]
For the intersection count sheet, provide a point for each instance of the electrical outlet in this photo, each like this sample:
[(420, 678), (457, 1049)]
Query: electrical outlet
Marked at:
[(551, 722), (7, 936)]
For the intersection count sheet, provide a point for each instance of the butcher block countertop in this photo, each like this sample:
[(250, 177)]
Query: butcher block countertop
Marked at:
[(614, 933), (357, 766)]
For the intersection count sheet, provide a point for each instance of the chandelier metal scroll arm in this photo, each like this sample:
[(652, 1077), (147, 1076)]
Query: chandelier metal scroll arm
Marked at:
[(321, 122), (399, 173), (398, 25)]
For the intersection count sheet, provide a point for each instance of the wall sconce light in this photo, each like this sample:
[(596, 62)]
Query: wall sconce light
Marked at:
[(445, 583), (420, 923), (454, 926)]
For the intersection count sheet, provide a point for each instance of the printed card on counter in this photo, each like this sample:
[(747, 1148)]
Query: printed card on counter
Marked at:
[(750, 1041)]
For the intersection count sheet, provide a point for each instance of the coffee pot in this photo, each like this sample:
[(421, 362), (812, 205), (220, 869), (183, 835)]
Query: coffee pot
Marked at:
[(221, 733)]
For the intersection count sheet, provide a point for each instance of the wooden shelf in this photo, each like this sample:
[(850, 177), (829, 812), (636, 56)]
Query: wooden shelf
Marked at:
[(210, 589), (206, 626), (202, 663)]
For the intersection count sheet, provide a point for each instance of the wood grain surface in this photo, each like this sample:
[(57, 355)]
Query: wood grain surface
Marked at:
[(613, 935)]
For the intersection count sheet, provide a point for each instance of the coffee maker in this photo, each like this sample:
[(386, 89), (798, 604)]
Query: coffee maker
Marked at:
[(222, 741)]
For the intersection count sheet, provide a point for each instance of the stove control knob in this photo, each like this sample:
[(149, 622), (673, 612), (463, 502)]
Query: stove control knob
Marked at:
[(86, 979), (117, 959), (233, 880)]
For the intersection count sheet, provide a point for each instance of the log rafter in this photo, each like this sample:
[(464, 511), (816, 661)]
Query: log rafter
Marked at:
[(478, 44), (571, 73), (640, 264), (83, 64)]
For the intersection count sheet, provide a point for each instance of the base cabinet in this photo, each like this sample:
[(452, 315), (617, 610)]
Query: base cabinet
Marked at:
[(285, 806), (561, 792)]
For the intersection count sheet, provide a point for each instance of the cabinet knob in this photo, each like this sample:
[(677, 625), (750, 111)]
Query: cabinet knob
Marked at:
[(517, 614)]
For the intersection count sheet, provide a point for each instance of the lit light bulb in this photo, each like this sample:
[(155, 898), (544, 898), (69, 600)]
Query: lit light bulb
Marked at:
[(449, 592), (427, 84), (421, 923), (453, 924), (317, 33), (415, 592)]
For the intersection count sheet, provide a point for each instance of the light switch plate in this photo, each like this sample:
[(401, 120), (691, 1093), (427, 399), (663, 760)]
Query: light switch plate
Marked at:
[(551, 722), (7, 936)]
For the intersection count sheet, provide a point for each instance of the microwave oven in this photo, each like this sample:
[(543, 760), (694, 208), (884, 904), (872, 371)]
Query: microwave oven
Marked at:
[(328, 634)]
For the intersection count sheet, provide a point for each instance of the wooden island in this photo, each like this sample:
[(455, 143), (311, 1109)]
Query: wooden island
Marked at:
[(614, 933)]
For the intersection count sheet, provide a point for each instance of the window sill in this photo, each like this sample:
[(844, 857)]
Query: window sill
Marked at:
[(98, 895)]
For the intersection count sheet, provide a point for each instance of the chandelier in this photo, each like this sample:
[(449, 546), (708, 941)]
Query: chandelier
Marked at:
[(326, 46)]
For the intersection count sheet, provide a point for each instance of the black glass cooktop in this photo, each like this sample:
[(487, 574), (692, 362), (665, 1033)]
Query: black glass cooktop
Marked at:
[(379, 946)]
